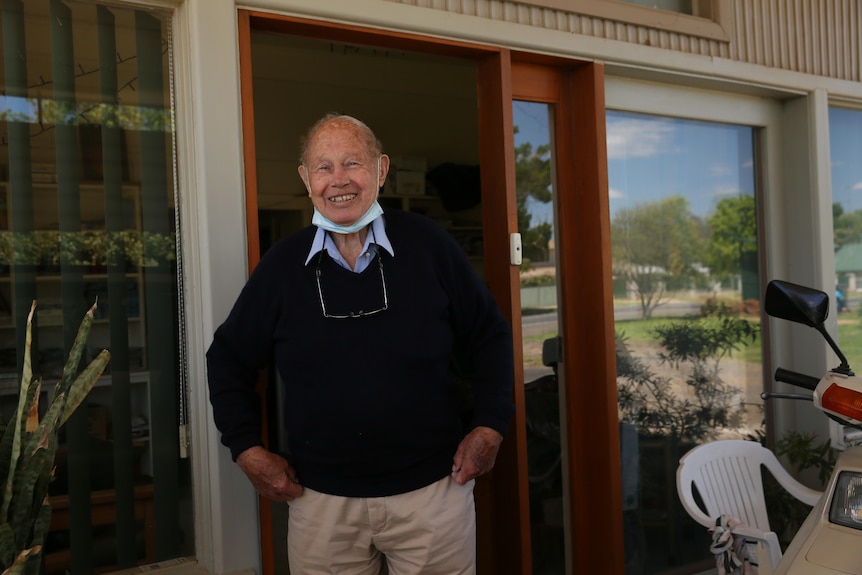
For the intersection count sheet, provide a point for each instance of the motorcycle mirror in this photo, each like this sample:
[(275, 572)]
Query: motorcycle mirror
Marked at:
[(805, 305), (796, 303)]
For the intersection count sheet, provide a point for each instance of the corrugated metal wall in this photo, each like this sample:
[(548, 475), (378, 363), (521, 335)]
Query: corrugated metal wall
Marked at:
[(820, 37)]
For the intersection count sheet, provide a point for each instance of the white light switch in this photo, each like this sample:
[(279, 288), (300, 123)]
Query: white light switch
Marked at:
[(515, 249)]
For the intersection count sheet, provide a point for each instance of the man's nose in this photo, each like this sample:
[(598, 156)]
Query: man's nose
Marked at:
[(340, 176)]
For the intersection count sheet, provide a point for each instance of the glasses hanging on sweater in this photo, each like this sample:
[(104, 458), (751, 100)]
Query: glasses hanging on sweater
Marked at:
[(343, 310)]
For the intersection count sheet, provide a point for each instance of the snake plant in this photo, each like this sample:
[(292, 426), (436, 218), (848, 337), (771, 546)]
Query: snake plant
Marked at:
[(27, 448)]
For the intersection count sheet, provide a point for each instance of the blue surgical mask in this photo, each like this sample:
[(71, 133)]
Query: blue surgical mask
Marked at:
[(322, 221)]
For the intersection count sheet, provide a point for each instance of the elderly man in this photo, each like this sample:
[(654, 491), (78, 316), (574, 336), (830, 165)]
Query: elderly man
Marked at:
[(364, 315)]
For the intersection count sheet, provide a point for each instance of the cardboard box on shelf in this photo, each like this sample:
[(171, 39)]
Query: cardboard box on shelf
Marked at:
[(410, 183), (408, 163), (43, 173)]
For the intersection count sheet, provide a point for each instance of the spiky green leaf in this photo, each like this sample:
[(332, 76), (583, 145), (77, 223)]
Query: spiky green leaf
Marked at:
[(40, 530), (40, 497), (17, 567), (7, 545), (43, 522), (47, 427), (84, 383), (78, 347), (6, 453), (27, 448), (26, 380), (31, 422), (21, 514), (6, 443)]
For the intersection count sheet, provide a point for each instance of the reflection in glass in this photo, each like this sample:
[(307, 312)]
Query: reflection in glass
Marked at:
[(686, 305), (845, 136), (87, 214), (535, 193)]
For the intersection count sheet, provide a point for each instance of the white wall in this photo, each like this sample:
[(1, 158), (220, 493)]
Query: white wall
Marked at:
[(214, 239)]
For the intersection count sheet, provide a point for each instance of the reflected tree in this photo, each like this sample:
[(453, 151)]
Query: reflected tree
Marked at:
[(533, 177), (655, 245), (700, 343), (732, 235), (848, 226)]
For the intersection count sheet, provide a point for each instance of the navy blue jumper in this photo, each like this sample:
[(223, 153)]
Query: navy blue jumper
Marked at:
[(372, 407)]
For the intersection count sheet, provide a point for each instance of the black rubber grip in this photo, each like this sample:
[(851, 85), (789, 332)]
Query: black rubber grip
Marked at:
[(796, 378)]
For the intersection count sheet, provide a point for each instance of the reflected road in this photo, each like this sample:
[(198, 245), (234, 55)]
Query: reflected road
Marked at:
[(537, 324)]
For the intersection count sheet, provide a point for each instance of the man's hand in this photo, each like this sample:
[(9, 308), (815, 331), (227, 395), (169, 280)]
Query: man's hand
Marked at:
[(476, 454), (271, 474)]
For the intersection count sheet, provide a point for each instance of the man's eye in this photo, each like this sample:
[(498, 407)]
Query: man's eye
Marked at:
[(322, 169)]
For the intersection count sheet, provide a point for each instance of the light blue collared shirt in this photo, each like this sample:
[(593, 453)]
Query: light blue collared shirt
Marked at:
[(375, 239)]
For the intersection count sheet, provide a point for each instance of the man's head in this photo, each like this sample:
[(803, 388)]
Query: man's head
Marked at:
[(342, 167)]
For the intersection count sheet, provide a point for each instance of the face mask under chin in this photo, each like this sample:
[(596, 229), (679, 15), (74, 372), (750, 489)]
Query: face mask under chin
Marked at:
[(375, 210)]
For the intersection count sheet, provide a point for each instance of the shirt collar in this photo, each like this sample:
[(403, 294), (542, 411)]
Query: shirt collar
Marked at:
[(322, 241)]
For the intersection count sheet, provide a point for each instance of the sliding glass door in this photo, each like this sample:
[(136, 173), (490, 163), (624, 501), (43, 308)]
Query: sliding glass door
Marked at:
[(540, 335)]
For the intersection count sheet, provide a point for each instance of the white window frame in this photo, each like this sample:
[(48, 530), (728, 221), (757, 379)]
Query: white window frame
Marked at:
[(210, 176), (793, 148)]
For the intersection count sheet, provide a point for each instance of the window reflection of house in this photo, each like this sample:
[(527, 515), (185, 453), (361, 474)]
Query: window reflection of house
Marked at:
[(848, 266)]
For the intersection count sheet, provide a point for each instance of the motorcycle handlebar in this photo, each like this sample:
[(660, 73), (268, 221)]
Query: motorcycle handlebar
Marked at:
[(796, 378)]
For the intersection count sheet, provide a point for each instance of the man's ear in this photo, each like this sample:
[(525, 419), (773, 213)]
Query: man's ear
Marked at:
[(384, 168), (303, 174)]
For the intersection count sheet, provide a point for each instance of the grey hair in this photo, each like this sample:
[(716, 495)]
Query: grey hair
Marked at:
[(371, 142)]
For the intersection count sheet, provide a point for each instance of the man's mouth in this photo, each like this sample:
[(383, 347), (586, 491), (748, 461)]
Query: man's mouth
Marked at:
[(339, 199)]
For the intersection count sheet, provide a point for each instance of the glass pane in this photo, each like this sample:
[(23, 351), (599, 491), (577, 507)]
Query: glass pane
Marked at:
[(845, 136), (686, 305), (535, 192), (88, 216)]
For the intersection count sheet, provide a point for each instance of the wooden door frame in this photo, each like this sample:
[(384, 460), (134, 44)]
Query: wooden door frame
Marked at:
[(502, 496), (586, 309)]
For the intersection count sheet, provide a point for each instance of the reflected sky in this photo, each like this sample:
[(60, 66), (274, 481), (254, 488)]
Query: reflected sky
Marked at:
[(845, 148), (654, 157), (651, 157), (531, 119)]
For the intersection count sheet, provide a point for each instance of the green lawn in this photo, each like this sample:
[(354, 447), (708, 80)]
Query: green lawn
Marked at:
[(849, 337)]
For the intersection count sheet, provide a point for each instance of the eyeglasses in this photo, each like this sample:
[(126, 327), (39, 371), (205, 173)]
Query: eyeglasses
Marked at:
[(360, 313)]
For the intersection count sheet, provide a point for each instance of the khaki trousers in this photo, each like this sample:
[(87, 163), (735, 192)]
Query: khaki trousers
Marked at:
[(430, 531)]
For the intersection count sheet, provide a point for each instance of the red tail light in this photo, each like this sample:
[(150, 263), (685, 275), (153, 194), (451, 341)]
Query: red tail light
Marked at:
[(843, 401)]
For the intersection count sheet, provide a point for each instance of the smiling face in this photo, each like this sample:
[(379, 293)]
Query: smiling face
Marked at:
[(343, 170)]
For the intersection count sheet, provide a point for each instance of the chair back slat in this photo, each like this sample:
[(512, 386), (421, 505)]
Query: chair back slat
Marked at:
[(728, 477)]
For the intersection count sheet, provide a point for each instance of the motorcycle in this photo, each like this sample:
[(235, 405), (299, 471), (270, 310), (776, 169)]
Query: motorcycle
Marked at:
[(829, 542)]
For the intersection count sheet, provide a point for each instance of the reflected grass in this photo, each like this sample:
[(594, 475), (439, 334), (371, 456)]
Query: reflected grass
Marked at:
[(850, 338), (643, 330)]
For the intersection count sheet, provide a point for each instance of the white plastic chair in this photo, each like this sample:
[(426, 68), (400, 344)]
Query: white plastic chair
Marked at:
[(727, 474)]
